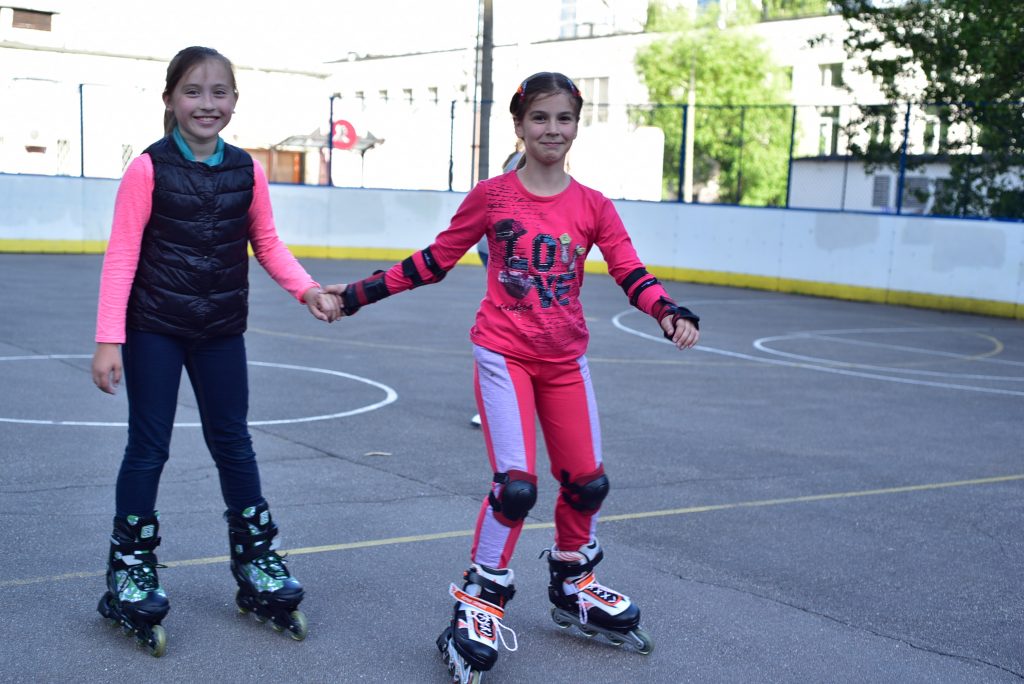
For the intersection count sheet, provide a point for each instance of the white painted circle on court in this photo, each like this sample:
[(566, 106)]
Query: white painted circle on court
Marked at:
[(390, 396), (849, 337), (822, 368)]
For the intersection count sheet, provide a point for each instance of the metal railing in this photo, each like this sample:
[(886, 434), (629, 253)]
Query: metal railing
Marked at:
[(898, 158)]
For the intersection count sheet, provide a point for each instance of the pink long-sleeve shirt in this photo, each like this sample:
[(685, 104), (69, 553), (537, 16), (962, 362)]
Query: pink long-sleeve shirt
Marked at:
[(132, 209), (537, 247)]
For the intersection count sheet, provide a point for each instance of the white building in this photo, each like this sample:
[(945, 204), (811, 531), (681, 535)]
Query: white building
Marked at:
[(415, 114), (56, 93)]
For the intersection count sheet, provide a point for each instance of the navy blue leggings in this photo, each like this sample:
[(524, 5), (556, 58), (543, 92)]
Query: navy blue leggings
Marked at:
[(152, 373)]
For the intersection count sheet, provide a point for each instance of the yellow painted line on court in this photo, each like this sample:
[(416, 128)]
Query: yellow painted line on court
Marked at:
[(417, 538), (811, 498)]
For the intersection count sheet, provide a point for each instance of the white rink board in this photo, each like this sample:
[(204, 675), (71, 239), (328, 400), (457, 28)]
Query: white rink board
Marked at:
[(932, 256)]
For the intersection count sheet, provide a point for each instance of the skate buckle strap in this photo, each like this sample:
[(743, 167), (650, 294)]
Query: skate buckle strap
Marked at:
[(128, 547), (476, 602), (496, 613), (142, 574)]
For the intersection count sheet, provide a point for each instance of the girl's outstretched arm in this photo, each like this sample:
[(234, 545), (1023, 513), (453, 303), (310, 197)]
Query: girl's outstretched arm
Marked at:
[(426, 266)]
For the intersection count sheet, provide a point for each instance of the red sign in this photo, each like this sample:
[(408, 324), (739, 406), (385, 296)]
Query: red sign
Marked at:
[(344, 135)]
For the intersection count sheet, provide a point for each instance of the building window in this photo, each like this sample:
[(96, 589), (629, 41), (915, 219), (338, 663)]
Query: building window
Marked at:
[(567, 19), (880, 191), (407, 95), (29, 19), (828, 131), (382, 95), (595, 100), (432, 94), (63, 157), (934, 137), (915, 192), (831, 75)]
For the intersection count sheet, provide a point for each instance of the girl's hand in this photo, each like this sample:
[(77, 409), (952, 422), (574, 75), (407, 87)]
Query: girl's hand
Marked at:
[(335, 292), (684, 333), (325, 307), (106, 367)]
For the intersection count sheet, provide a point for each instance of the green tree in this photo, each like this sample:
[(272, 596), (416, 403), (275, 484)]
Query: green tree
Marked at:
[(789, 9), (967, 55), (740, 142)]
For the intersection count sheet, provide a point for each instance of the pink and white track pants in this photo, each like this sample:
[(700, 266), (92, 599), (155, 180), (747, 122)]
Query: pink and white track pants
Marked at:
[(510, 395)]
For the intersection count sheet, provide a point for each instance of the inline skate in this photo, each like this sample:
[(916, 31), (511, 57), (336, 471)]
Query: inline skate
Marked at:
[(592, 608), (265, 587), (134, 599), (469, 645)]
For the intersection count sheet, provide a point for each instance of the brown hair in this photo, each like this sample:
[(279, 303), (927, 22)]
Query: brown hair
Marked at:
[(181, 65), (540, 85)]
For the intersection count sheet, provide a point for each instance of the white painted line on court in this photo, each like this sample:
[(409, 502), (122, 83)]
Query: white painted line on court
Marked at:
[(390, 396), (617, 322)]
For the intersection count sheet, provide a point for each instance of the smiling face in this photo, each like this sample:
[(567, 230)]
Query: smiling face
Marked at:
[(548, 128), (202, 103)]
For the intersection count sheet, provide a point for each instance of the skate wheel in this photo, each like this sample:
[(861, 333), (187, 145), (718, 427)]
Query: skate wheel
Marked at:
[(615, 641), (157, 641), (587, 632), (647, 644), (299, 628), (559, 620), (260, 618), (104, 606)]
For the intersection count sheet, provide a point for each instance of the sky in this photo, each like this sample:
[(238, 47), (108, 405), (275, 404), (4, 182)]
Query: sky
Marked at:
[(292, 34)]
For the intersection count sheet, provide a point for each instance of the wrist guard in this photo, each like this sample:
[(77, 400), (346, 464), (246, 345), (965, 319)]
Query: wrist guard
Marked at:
[(363, 292), (666, 307)]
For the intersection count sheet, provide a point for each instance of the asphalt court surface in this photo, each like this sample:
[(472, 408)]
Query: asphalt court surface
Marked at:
[(822, 491)]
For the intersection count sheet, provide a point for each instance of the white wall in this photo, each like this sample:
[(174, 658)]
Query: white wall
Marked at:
[(941, 263)]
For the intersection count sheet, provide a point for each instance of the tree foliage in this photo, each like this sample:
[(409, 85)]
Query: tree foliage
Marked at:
[(739, 144), (962, 59), (790, 9)]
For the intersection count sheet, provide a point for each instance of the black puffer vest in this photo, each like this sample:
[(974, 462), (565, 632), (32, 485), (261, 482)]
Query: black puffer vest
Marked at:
[(193, 274)]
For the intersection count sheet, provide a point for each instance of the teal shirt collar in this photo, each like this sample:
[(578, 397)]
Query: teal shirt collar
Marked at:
[(216, 158)]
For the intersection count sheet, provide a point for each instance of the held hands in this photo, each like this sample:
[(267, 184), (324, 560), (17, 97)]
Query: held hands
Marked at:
[(684, 334), (324, 306), (106, 367), (335, 292)]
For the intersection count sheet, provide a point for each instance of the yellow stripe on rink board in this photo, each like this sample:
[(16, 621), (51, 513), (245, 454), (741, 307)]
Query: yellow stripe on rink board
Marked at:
[(53, 246), (856, 293), (417, 538)]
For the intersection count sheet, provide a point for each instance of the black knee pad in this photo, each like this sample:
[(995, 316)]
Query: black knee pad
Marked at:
[(518, 495), (586, 492)]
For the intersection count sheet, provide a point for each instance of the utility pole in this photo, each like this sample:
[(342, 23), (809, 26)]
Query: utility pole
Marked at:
[(691, 115), (691, 119), (486, 89)]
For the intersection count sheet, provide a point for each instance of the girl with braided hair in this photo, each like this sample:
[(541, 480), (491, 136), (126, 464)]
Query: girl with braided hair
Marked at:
[(530, 340)]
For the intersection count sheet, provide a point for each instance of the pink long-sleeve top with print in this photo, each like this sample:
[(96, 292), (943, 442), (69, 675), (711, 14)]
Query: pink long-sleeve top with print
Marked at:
[(537, 248), (132, 208)]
